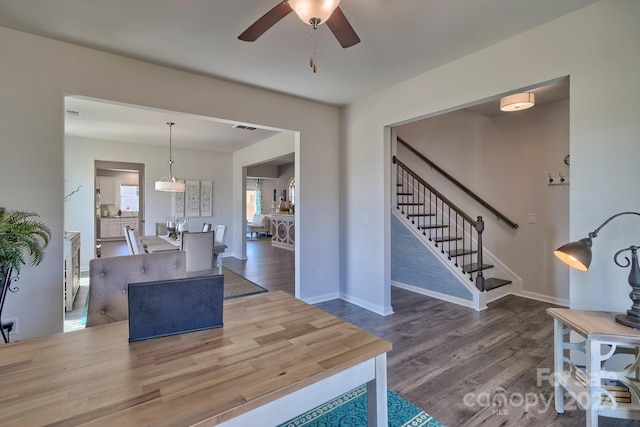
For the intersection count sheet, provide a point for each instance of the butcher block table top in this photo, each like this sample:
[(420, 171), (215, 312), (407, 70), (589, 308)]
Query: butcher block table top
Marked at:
[(272, 344)]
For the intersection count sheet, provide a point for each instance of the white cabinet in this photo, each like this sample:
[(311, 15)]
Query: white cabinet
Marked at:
[(115, 230), (104, 228), (71, 277), (109, 190), (111, 228), (131, 222)]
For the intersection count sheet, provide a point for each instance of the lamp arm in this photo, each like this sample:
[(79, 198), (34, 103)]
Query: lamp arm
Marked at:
[(594, 233)]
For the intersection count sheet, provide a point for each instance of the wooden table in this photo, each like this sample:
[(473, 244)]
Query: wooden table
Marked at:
[(601, 337), (276, 357)]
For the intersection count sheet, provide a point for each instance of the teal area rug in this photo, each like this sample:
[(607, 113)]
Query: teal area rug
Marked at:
[(350, 410)]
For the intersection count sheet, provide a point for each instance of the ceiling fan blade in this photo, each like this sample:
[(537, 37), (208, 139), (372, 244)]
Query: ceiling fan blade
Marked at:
[(265, 22), (341, 28)]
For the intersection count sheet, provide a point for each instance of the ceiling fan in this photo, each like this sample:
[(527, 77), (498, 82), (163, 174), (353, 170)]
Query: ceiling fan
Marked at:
[(312, 12)]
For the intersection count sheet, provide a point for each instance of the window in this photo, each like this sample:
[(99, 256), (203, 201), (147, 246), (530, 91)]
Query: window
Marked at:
[(251, 204), (129, 198)]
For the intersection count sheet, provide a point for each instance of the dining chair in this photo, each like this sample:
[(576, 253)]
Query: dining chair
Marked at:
[(161, 229), (199, 249), (206, 227), (221, 233), (136, 244), (127, 237)]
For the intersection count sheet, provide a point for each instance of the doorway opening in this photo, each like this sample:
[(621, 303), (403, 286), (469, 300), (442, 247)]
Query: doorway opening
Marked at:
[(119, 200)]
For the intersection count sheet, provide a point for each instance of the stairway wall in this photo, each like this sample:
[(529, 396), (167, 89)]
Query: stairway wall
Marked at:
[(413, 264), (505, 159)]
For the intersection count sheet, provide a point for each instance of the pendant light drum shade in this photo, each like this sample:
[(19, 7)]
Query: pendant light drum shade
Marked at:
[(518, 101), (172, 184), (314, 12)]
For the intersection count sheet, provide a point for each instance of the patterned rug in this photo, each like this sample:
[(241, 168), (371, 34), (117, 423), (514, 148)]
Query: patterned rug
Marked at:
[(350, 410)]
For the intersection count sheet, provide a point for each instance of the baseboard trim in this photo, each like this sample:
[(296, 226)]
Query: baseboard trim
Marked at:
[(382, 311), (544, 298), (433, 294), (321, 298)]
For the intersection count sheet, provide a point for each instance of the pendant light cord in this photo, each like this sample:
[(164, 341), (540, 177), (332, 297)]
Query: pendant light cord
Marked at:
[(170, 158)]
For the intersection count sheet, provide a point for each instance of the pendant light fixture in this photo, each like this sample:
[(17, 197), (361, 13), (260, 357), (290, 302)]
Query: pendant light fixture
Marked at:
[(171, 184), (518, 101)]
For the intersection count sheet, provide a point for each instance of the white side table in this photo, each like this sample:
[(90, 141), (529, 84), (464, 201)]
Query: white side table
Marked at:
[(602, 338)]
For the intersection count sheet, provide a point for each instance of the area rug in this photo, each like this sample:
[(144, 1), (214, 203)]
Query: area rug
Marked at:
[(237, 286), (350, 410)]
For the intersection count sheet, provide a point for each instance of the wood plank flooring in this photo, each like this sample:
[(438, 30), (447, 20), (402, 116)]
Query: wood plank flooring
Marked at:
[(451, 361)]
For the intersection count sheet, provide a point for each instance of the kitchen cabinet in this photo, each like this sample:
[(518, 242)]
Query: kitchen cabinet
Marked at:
[(131, 222), (109, 190), (115, 230), (112, 228), (104, 228)]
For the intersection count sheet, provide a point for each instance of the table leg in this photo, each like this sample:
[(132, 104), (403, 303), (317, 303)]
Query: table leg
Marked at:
[(218, 262), (377, 395), (593, 379), (558, 354)]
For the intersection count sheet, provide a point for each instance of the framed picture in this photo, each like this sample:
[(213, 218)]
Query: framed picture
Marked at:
[(206, 198), (192, 199), (178, 204)]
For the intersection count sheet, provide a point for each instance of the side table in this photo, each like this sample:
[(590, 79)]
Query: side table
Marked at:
[(592, 386)]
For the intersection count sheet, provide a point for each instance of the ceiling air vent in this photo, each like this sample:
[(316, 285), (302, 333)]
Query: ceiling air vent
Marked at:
[(244, 127)]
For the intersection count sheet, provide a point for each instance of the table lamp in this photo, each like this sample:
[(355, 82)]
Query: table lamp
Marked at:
[(578, 255)]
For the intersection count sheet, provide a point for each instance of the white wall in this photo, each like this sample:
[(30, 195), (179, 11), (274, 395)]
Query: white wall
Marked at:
[(597, 47), (81, 153), (36, 74), (505, 159)]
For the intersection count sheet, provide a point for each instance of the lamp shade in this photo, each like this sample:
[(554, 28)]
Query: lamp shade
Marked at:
[(576, 254), (170, 185), (517, 101), (314, 12)]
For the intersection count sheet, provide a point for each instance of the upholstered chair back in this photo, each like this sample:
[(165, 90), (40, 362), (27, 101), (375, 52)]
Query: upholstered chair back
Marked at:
[(199, 249), (109, 278)]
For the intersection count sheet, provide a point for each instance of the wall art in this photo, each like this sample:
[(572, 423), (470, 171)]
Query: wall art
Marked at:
[(206, 198), (192, 199)]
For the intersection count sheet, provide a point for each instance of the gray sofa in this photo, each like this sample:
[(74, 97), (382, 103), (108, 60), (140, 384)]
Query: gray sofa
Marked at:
[(109, 278)]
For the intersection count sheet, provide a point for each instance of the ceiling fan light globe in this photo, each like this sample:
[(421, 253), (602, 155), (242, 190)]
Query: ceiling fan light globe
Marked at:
[(314, 12)]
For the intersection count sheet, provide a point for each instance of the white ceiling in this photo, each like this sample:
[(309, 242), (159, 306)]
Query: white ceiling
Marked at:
[(400, 39), (123, 123)]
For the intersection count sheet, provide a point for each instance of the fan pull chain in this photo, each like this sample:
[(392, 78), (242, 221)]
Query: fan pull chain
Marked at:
[(312, 61)]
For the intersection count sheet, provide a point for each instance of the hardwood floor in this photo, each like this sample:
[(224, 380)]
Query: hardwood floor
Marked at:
[(451, 361)]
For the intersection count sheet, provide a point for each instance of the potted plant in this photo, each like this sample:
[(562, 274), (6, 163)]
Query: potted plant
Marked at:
[(19, 234)]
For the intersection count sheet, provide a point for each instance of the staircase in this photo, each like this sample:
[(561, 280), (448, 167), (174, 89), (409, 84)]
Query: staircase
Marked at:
[(447, 230)]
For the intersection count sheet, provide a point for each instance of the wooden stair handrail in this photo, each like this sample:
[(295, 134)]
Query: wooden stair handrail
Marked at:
[(471, 194)]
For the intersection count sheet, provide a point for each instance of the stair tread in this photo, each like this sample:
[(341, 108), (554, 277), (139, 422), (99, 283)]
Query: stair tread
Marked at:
[(446, 239), (427, 227), (494, 283), (404, 194), (461, 252), (409, 204), (470, 268), (421, 214)]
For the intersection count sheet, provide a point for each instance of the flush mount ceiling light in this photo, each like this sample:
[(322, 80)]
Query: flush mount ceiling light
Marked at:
[(171, 184), (518, 101)]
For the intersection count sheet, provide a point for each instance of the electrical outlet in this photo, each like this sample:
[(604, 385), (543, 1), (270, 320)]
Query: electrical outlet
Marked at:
[(11, 324)]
